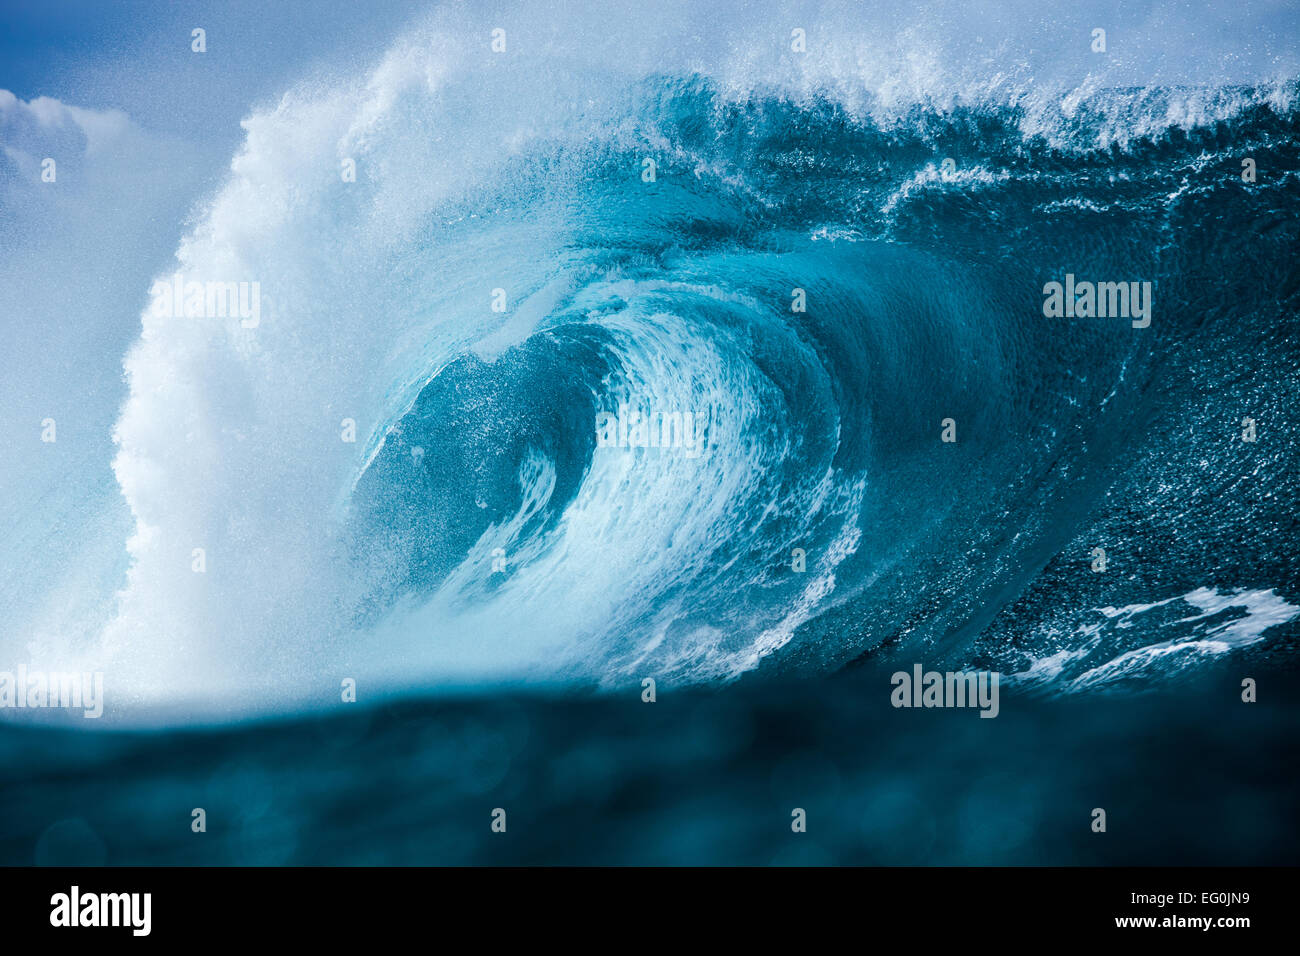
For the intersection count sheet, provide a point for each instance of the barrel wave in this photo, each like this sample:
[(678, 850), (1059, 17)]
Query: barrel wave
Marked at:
[(397, 474)]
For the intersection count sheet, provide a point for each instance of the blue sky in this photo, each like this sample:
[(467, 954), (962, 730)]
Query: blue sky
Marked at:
[(136, 55)]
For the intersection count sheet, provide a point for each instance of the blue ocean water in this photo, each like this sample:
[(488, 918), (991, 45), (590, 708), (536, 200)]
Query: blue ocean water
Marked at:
[(701, 777), (821, 272)]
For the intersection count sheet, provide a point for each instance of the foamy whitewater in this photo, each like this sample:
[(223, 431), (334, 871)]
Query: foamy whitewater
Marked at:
[(475, 533)]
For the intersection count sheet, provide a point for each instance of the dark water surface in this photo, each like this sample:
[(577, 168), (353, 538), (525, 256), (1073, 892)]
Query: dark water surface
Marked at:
[(1192, 777)]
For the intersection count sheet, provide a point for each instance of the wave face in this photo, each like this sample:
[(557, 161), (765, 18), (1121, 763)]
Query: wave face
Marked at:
[(480, 528)]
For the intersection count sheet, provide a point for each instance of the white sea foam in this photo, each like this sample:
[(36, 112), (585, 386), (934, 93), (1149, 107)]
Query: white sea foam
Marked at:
[(1247, 616)]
